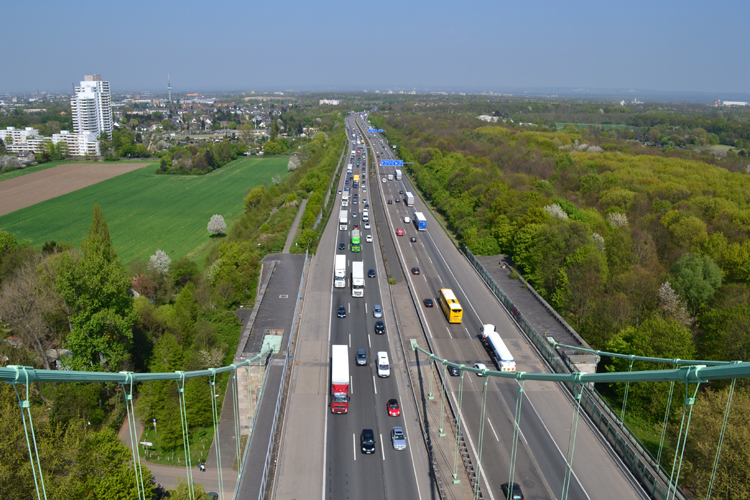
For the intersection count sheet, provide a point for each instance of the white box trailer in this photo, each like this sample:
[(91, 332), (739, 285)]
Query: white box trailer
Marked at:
[(398, 175), (339, 272), (500, 352), (358, 279), (343, 220), (409, 199)]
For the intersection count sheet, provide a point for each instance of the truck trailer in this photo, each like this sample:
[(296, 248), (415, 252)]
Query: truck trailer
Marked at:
[(498, 350), (339, 272), (420, 221), (409, 199), (398, 175), (343, 220), (358, 279), (339, 379)]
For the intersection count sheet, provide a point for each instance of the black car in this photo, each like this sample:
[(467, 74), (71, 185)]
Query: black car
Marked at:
[(398, 200), (367, 441), (415, 270), (413, 239), (453, 371), (379, 327), (342, 246), (517, 494), (428, 302), (371, 273), (401, 192), (342, 312), (367, 205), (390, 202)]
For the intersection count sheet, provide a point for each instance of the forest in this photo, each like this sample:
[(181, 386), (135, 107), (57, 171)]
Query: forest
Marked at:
[(642, 248)]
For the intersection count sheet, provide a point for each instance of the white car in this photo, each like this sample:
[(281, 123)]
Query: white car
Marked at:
[(384, 179), (407, 220), (367, 225), (377, 311), (368, 239), (480, 366)]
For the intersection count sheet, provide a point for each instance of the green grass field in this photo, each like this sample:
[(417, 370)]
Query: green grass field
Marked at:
[(145, 211)]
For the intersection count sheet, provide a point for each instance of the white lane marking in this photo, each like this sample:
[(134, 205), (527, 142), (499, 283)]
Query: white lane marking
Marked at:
[(373, 384), (491, 427), (449, 332), (428, 258), (349, 304), (354, 444), (350, 341), (365, 307), (368, 341), (425, 278), (467, 332), (351, 384), (382, 446)]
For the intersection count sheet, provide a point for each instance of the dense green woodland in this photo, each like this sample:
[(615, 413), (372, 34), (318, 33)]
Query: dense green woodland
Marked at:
[(644, 250), (79, 299)]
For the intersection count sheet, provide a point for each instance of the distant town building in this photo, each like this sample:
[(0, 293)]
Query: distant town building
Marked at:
[(20, 141), (330, 102), (734, 103)]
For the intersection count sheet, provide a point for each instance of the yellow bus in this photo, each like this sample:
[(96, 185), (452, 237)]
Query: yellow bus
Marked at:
[(356, 178), (451, 308)]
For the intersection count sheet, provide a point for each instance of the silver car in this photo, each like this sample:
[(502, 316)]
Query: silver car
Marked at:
[(377, 311), (398, 438)]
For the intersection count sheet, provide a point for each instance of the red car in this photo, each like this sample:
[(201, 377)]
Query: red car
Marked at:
[(394, 410), (400, 232)]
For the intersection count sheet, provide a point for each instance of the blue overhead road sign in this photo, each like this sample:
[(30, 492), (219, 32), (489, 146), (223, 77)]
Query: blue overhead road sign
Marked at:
[(372, 130), (391, 163), (380, 131)]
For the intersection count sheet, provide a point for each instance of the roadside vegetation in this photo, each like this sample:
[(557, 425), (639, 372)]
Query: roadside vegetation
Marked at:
[(78, 306), (637, 236)]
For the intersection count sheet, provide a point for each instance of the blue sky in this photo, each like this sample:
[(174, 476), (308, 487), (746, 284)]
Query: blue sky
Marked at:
[(664, 45)]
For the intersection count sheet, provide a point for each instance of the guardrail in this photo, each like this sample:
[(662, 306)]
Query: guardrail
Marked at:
[(643, 466)]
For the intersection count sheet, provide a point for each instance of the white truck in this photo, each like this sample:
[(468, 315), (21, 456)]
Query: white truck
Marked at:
[(339, 272), (390, 177), (339, 379), (420, 221), (409, 199), (343, 220), (398, 175), (349, 168), (345, 199), (358, 279), (498, 350)]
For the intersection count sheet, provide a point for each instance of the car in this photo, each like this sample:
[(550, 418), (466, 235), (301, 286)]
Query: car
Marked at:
[(371, 273), (398, 200), (390, 202), (346, 188), (394, 410), (339, 191), (342, 246), (361, 357), (367, 225), (364, 190), (379, 327), (356, 195), (480, 366), (367, 205), (400, 231), (384, 179), (354, 201), (516, 494), (415, 270), (368, 238), (401, 192), (413, 239), (356, 226), (407, 220), (342, 312), (428, 302), (377, 311), (212, 495), (346, 181), (398, 438), (454, 371), (367, 441), (363, 183), (354, 214)]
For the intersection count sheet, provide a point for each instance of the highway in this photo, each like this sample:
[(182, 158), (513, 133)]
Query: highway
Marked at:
[(540, 463), (349, 473)]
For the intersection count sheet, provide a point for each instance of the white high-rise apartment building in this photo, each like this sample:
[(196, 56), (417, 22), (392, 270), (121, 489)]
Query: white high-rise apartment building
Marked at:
[(92, 107)]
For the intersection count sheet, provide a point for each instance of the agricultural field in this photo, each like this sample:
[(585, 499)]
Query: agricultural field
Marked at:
[(29, 170), (145, 211)]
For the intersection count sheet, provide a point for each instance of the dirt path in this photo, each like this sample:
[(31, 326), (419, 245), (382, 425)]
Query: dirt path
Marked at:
[(30, 189)]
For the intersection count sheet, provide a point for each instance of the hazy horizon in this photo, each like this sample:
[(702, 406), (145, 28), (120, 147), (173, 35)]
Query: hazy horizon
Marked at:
[(669, 47)]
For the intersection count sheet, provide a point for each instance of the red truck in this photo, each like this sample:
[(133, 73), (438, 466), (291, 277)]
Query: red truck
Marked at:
[(339, 379)]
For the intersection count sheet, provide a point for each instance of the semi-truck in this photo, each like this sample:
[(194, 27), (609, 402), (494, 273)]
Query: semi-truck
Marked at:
[(409, 199), (349, 168), (339, 272), (339, 379), (420, 221), (398, 175), (356, 241), (498, 350), (345, 199), (343, 220), (358, 279)]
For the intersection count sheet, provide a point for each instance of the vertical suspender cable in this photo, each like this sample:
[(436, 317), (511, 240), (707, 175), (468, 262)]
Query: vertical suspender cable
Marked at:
[(666, 420), (217, 440), (26, 409), (572, 438), (185, 434), (721, 438), (627, 389), (458, 427), (481, 436), (516, 432), (133, 432)]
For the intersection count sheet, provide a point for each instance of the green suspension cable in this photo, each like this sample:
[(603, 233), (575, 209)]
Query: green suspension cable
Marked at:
[(26, 409), (481, 438), (185, 433), (442, 403), (572, 439), (680, 441), (730, 396), (133, 432), (516, 432), (458, 427), (665, 423), (236, 414), (217, 440), (627, 389)]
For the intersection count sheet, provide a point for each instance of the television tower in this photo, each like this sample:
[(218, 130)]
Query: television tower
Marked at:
[(169, 87)]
